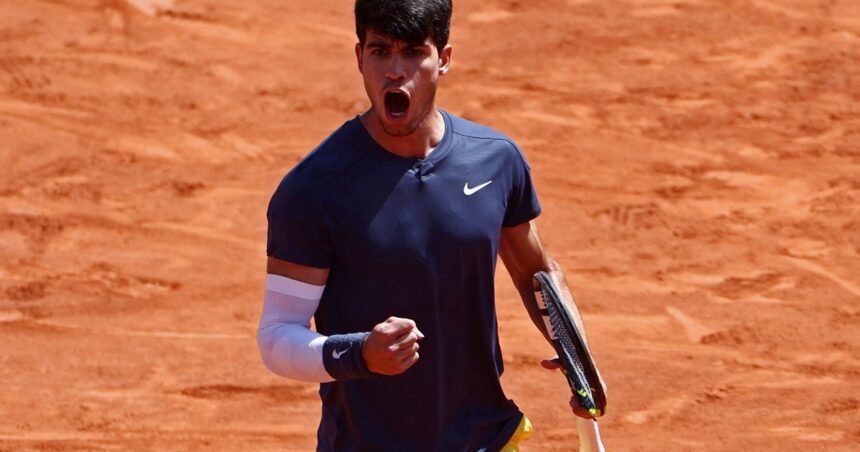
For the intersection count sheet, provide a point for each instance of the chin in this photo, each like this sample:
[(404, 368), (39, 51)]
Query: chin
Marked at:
[(399, 130)]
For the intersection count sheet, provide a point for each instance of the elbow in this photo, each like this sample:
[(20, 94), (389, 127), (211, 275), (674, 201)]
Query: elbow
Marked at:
[(278, 359), (292, 351), (266, 346)]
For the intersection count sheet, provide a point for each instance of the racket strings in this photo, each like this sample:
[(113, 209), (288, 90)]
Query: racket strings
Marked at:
[(561, 331)]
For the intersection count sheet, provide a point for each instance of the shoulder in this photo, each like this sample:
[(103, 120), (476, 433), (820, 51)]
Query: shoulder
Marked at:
[(466, 128), (335, 153), (311, 178), (485, 137)]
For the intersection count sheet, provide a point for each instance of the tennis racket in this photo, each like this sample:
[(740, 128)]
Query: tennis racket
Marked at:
[(569, 343)]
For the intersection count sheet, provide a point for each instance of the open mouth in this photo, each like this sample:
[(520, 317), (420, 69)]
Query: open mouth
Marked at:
[(396, 103)]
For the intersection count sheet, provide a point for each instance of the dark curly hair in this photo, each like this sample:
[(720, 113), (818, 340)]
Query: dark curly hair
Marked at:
[(406, 20)]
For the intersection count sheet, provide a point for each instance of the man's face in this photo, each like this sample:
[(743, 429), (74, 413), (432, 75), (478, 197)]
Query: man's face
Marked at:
[(400, 79)]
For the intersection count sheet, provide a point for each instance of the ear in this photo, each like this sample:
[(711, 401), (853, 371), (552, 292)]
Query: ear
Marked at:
[(358, 57), (445, 59)]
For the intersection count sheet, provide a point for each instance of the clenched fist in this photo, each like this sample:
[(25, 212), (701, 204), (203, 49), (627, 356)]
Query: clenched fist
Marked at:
[(392, 346)]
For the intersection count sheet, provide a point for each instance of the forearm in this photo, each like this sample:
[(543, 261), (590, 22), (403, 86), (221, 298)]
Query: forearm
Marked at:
[(523, 253), (525, 287), (289, 348), (567, 296), (296, 352), (526, 290), (293, 351)]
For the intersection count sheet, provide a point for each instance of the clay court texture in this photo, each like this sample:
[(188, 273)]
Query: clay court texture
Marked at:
[(698, 162)]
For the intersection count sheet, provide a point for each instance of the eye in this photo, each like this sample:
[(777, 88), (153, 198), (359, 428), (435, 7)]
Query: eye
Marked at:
[(378, 51), (415, 52)]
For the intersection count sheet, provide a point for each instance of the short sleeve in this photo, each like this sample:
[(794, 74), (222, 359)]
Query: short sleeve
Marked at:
[(298, 231), (523, 204)]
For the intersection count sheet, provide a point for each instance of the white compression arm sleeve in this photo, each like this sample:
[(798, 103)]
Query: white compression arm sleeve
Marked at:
[(287, 345)]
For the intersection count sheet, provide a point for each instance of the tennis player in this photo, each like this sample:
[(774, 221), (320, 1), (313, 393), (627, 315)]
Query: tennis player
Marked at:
[(387, 235)]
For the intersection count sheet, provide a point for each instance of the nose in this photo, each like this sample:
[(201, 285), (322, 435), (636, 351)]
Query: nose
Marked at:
[(396, 68)]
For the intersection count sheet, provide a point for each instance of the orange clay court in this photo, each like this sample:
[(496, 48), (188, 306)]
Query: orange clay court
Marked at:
[(698, 162)]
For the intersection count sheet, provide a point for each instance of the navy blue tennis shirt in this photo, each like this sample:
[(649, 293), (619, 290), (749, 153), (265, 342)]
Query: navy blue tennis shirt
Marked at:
[(413, 238)]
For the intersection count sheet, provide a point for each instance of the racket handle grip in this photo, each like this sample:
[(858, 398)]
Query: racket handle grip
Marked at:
[(589, 436)]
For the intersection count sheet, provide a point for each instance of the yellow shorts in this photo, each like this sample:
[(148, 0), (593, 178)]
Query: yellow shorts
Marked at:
[(524, 430)]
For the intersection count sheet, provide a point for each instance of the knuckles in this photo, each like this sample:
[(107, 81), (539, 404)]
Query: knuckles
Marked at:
[(387, 355)]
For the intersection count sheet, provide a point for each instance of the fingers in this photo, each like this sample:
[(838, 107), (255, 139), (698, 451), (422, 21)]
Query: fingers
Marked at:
[(392, 346), (397, 326), (551, 364), (406, 355), (409, 362), (404, 342), (579, 410)]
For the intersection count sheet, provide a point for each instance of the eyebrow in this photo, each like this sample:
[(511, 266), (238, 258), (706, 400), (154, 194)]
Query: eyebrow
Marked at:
[(377, 43)]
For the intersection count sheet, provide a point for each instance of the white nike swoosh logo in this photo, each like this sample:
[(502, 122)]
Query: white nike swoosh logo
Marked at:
[(471, 191), (336, 354)]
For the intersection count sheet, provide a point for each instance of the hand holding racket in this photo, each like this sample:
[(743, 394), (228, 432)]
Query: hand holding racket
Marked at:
[(574, 357)]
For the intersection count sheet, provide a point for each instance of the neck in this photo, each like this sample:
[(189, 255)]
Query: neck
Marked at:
[(418, 144)]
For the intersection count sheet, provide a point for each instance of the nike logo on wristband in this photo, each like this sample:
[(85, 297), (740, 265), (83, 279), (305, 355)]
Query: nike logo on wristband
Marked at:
[(471, 191), (336, 354)]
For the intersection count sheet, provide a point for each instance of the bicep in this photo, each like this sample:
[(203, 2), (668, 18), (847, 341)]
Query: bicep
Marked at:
[(303, 273)]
